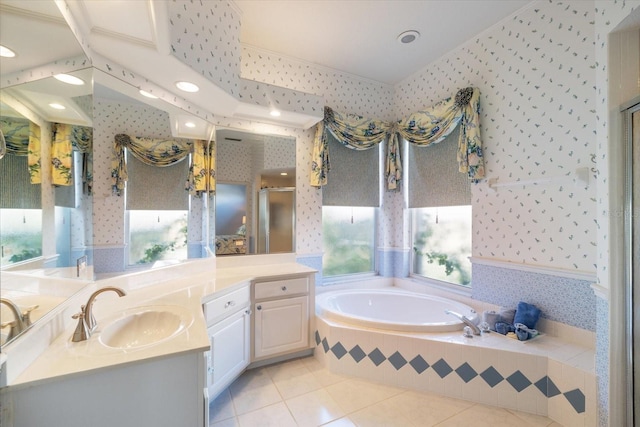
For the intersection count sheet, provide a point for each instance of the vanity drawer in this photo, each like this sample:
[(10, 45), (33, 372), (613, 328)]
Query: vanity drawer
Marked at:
[(226, 304), (281, 288)]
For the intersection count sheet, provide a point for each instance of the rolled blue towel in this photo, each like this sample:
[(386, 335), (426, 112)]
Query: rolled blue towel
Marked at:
[(491, 317), (507, 314), (527, 314), (504, 328), (522, 332)]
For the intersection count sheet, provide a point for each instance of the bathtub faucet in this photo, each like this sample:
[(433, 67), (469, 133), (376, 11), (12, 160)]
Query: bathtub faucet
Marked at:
[(465, 319)]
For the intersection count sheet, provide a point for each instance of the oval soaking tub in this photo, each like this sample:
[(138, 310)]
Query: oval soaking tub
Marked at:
[(393, 309)]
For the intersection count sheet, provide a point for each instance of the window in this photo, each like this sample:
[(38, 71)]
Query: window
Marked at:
[(442, 243), (21, 235), (157, 206), (439, 198), (349, 240), (157, 235)]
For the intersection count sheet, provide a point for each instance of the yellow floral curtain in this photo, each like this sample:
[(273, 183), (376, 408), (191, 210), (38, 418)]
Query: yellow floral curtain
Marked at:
[(22, 138), (165, 152), (202, 172), (351, 130), (66, 139), (424, 127), (433, 124)]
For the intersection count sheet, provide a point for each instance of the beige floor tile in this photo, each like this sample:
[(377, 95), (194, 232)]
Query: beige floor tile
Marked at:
[(382, 414), (276, 415), (221, 408), (322, 374), (426, 409), (250, 379), (484, 416), (286, 370), (231, 422), (342, 422), (247, 400), (314, 409), (302, 383), (534, 420), (353, 395)]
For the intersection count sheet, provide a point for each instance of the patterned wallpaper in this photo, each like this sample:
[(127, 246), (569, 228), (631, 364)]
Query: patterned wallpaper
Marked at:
[(111, 118), (536, 78), (341, 91), (279, 153), (205, 36)]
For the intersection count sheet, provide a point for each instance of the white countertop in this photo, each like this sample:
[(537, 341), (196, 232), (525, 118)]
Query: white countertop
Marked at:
[(186, 286)]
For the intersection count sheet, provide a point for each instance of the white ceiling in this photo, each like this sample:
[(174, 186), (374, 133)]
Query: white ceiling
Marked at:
[(353, 36), (360, 37)]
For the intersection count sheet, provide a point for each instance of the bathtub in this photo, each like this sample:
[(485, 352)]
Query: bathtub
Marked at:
[(393, 310)]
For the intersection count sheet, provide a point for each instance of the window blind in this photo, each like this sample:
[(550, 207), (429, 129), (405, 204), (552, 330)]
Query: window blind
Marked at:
[(354, 178), (434, 179), (157, 188), (17, 192)]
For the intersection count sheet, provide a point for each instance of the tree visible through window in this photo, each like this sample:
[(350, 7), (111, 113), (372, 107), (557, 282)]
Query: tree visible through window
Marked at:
[(157, 235), (442, 243), (349, 240)]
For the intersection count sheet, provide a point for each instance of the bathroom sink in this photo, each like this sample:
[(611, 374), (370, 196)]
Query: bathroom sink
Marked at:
[(144, 326)]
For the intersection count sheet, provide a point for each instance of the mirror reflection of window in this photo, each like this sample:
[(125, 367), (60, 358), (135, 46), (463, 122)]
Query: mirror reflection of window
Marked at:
[(20, 200), (158, 214)]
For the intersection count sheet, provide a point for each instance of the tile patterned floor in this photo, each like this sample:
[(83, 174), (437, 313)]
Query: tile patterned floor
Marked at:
[(302, 392)]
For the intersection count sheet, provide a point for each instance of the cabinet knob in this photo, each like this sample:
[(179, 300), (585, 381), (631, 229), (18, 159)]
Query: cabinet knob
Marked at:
[(284, 289), (229, 304), (259, 307)]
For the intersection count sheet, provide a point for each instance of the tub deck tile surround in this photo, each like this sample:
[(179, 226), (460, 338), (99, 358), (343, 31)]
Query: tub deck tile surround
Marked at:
[(545, 376)]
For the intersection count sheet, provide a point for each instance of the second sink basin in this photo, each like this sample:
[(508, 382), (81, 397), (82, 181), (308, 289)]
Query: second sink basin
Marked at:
[(144, 326)]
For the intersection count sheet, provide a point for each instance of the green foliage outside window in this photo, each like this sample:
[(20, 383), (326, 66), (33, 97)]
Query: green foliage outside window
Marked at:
[(348, 237), (442, 244)]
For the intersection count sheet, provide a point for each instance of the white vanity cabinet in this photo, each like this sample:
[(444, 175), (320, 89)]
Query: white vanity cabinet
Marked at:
[(283, 317), (229, 328)]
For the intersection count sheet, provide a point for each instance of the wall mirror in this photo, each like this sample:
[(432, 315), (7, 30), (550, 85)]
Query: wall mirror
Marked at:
[(255, 193), (45, 228), (163, 223)]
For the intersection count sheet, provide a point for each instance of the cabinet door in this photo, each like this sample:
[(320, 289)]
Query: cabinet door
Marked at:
[(229, 353), (281, 326)]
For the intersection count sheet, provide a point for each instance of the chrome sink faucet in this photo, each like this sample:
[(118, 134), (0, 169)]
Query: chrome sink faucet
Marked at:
[(86, 321), (465, 319), (22, 319)]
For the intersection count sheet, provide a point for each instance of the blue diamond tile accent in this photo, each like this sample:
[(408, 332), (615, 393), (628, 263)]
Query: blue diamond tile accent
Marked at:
[(339, 350), (325, 345), (466, 372), (491, 376), (419, 364), (576, 398), (317, 338), (397, 360), (377, 357), (518, 381), (357, 353), (547, 387), (442, 368)]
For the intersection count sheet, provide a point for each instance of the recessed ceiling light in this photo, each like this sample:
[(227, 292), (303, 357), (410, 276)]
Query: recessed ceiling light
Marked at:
[(6, 52), (147, 94), (275, 113), (408, 36), (69, 79), (187, 86), (57, 106), (190, 124)]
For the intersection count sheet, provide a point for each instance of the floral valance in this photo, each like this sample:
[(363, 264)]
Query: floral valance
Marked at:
[(351, 130), (22, 138), (162, 153), (424, 127)]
